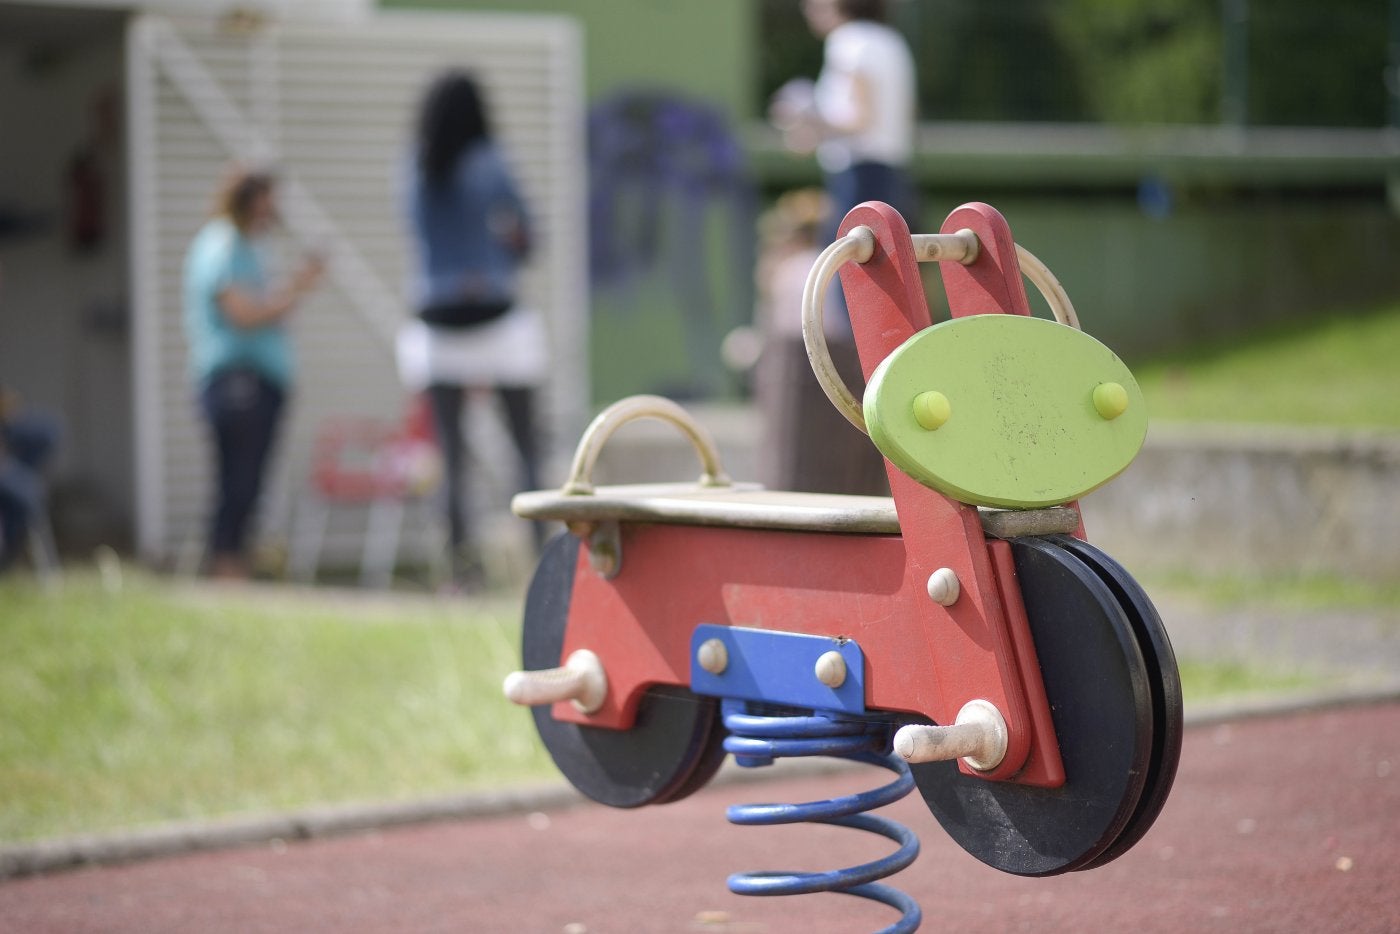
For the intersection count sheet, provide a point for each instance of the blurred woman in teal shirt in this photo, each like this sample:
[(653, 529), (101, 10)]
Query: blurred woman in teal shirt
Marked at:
[(240, 354)]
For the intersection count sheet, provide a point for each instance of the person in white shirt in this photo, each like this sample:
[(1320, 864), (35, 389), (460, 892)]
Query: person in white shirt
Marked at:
[(860, 115)]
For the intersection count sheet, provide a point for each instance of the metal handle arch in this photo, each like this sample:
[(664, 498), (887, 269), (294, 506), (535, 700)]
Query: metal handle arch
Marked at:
[(858, 246), (580, 482)]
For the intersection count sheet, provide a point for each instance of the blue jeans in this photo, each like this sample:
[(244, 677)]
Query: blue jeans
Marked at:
[(243, 409), (872, 181), (861, 182)]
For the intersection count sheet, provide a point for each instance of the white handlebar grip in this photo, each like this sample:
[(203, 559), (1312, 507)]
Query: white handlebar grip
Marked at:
[(580, 680), (978, 735)]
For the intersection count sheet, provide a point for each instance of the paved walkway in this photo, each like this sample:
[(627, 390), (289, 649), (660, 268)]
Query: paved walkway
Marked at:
[(1278, 823)]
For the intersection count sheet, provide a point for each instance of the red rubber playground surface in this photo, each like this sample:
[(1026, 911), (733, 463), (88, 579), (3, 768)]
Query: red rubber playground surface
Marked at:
[(1282, 823)]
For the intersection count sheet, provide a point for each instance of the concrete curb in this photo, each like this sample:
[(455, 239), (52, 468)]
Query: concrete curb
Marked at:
[(309, 823), (64, 853)]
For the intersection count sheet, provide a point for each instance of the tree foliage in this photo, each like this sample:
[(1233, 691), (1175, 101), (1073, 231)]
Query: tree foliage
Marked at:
[(1314, 63), (1125, 61), (1134, 62)]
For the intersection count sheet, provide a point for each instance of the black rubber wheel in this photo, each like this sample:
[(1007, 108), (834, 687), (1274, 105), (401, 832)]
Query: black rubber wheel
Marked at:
[(709, 762), (1097, 683), (670, 750), (1164, 682)]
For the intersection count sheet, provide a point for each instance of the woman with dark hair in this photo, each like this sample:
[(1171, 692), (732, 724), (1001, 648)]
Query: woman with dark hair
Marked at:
[(471, 234), (240, 355)]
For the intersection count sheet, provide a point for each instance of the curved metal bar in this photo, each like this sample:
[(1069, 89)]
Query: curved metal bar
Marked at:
[(1050, 289), (580, 482), (858, 245)]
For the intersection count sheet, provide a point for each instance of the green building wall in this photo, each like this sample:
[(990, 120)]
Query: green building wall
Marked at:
[(706, 49)]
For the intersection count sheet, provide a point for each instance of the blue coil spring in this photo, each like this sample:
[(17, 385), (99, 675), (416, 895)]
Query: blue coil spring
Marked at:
[(756, 739)]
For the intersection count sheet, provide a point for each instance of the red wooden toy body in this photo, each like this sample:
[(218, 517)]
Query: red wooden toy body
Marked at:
[(921, 657)]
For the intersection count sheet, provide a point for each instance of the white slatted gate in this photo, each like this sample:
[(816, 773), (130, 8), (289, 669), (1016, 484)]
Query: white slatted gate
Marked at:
[(332, 106)]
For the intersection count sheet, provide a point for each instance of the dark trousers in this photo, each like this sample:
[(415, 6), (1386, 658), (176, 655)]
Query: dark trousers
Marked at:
[(872, 181), (243, 410), (27, 442), (447, 404), (18, 491), (861, 182)]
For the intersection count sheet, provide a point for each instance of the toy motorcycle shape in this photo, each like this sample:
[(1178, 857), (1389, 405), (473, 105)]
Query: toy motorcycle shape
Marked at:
[(961, 633)]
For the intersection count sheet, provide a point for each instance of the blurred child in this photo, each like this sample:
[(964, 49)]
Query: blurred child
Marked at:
[(808, 445)]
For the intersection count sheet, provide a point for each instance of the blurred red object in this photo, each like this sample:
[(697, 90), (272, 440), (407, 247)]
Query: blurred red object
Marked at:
[(372, 463)]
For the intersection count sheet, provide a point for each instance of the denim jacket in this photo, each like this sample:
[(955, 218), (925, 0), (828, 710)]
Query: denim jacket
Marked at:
[(470, 236)]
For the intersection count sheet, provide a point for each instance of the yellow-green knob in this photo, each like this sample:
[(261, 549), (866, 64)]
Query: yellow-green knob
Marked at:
[(932, 410), (1110, 400)]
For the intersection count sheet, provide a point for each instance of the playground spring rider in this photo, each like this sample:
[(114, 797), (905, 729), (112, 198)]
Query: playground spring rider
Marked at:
[(962, 633)]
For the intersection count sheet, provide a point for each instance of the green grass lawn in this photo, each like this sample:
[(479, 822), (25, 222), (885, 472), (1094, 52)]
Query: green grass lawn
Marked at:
[(162, 702), (1339, 371), (1313, 591)]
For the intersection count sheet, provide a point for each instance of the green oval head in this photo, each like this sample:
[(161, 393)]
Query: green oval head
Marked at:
[(1006, 410)]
